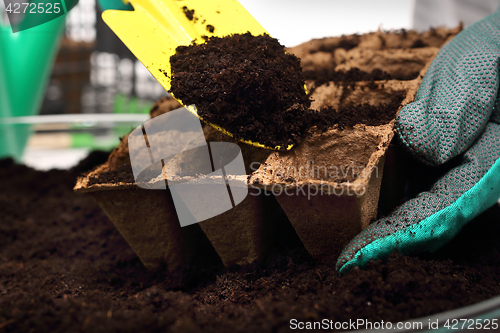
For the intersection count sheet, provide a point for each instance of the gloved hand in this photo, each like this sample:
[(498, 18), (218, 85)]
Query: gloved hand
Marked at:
[(455, 112)]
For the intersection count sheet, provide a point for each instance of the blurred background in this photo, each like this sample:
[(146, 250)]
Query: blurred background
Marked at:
[(94, 73)]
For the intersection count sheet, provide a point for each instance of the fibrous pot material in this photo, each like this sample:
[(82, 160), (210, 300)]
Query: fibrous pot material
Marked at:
[(326, 187), (329, 185)]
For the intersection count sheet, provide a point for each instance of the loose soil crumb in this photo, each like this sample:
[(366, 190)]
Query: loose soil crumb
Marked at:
[(188, 12), (65, 268)]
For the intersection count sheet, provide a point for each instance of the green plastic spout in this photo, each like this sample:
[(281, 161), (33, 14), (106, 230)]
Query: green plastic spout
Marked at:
[(26, 59)]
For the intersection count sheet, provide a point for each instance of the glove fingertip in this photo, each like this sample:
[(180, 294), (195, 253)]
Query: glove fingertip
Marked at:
[(344, 266), (351, 256)]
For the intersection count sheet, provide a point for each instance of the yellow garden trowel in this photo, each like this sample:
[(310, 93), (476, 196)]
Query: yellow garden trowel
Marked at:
[(155, 28)]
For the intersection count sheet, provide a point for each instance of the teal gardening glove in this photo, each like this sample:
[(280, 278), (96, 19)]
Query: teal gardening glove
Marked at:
[(456, 111)]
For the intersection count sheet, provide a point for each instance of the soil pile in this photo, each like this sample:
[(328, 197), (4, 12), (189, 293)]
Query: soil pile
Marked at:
[(245, 84)]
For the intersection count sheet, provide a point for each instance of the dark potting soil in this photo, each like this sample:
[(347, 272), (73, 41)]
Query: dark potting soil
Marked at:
[(348, 78), (347, 43), (122, 174), (323, 76), (65, 268), (351, 41), (418, 43), (350, 115)]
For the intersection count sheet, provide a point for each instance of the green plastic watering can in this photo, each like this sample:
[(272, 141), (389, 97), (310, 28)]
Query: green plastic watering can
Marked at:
[(27, 53)]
